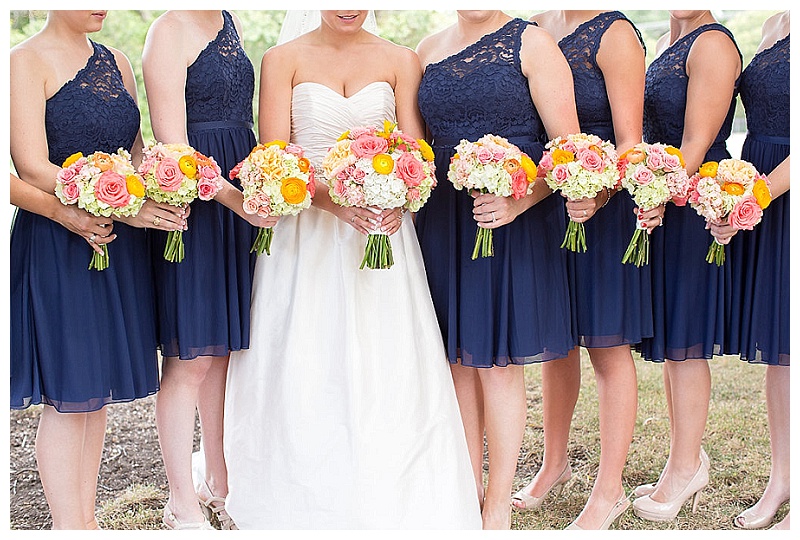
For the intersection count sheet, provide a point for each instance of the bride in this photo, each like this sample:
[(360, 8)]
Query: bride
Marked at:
[(342, 414)]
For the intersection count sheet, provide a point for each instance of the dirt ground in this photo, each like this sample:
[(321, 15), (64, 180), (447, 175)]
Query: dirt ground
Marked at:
[(131, 456)]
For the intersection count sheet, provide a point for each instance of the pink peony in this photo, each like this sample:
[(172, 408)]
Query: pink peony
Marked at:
[(112, 190), (409, 170), (745, 214), (589, 160), (169, 175), (413, 194), (367, 146), (519, 183), (643, 175)]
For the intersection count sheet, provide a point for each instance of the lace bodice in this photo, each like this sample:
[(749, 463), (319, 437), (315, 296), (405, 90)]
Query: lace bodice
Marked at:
[(580, 48), (666, 85), (92, 112), (220, 82), (764, 88), (320, 114), (481, 89)]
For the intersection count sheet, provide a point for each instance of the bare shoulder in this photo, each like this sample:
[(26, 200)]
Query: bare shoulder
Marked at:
[(169, 26), (542, 18), (30, 56), (121, 59), (621, 33)]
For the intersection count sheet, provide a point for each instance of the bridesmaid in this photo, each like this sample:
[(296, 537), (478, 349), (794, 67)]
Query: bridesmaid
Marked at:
[(611, 302), (486, 74), (200, 86), (689, 103), (80, 339), (760, 322)]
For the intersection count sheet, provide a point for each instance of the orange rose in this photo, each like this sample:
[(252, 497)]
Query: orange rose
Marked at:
[(293, 190), (634, 155)]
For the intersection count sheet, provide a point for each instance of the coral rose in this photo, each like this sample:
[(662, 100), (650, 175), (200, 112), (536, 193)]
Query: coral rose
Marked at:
[(111, 189)]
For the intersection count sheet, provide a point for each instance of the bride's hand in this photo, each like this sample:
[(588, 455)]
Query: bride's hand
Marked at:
[(361, 219), (390, 220)]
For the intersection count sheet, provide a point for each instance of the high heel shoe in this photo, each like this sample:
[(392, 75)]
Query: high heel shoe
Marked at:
[(745, 521), (214, 510), (172, 522), (646, 508), (616, 511), (531, 502), (647, 489)]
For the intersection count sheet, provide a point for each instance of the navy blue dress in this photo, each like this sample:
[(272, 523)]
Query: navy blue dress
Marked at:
[(759, 258), (204, 301), (512, 308), (688, 294), (611, 301), (81, 338)]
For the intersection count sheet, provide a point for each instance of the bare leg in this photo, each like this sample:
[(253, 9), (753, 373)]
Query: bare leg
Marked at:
[(210, 406), (470, 404), (175, 418), (561, 383), (94, 437), (617, 388), (505, 409)]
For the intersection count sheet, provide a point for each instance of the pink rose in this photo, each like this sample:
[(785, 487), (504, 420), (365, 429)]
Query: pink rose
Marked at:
[(672, 162), (560, 173), (294, 150), (209, 173), (413, 194), (410, 143), (368, 146), (519, 183), (169, 175), (263, 212), (642, 175), (745, 214), (207, 188), (112, 190), (312, 184), (71, 191), (355, 133), (235, 171), (250, 206), (546, 163), (409, 170), (483, 154), (590, 160), (357, 175), (338, 187), (569, 146), (68, 175), (655, 160)]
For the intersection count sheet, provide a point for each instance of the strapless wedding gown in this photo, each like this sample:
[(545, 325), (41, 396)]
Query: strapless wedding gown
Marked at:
[(342, 414)]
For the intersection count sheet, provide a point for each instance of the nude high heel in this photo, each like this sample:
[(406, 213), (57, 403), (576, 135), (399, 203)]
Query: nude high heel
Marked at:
[(172, 522), (746, 520), (616, 511), (214, 509), (646, 508), (647, 489), (532, 503)]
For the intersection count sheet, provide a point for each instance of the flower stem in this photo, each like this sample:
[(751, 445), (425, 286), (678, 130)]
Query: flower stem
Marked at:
[(263, 241), (99, 261), (484, 243)]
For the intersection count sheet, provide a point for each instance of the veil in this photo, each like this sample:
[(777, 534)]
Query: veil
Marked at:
[(299, 21)]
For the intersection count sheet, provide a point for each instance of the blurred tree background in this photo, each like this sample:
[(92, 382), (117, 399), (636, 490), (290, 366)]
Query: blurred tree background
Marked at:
[(126, 29)]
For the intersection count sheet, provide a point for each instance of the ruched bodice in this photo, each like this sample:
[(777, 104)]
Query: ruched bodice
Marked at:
[(320, 114)]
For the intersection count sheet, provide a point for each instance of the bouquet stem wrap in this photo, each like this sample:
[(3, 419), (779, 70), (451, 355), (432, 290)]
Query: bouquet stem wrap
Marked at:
[(716, 253)]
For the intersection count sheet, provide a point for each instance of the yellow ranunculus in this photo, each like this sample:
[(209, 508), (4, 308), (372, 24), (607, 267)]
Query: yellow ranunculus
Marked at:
[(383, 163), (72, 159), (188, 166), (675, 152), (709, 169), (762, 193), (426, 150), (293, 190), (560, 157), (529, 167), (733, 188), (277, 142), (134, 185)]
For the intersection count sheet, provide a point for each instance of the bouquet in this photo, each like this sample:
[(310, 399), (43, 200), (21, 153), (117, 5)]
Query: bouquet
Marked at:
[(379, 167), (104, 185), (653, 174), (580, 165), (732, 191), (276, 181), (177, 174), (491, 165)]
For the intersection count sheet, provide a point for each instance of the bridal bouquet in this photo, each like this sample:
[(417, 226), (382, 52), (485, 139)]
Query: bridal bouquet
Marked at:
[(379, 168), (276, 181), (580, 166), (653, 174), (491, 165), (732, 191), (177, 174), (103, 185)]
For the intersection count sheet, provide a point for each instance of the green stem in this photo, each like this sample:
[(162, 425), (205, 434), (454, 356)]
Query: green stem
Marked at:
[(263, 241), (484, 244), (378, 252), (99, 261), (174, 250)]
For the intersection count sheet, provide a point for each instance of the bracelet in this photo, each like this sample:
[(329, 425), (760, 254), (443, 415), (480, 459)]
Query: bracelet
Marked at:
[(608, 197)]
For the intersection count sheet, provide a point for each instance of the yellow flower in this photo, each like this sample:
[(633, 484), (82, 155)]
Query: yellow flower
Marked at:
[(293, 190), (675, 152), (733, 188), (188, 166), (709, 169), (388, 128), (303, 164), (560, 157), (343, 136), (72, 159), (134, 185), (762, 193), (277, 142), (426, 150), (383, 163), (529, 167)]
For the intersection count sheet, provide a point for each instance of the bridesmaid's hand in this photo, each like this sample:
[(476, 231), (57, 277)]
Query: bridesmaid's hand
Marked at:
[(649, 219), (722, 232), (391, 220), (491, 211), (160, 216), (95, 230), (582, 210)]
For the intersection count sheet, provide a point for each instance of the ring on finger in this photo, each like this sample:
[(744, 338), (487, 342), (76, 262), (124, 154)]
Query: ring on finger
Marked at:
[(91, 238), (660, 221), (353, 219), (585, 213), (493, 217), (156, 220)]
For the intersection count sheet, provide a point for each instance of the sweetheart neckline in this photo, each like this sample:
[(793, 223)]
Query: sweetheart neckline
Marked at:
[(341, 95)]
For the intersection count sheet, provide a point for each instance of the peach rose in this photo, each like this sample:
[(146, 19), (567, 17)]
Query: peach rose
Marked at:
[(367, 146), (169, 175), (409, 170), (745, 214), (112, 189)]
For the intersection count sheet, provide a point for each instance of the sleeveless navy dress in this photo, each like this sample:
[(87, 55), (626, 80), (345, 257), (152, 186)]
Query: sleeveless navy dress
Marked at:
[(688, 294), (80, 338), (760, 318), (204, 301), (611, 301), (512, 308)]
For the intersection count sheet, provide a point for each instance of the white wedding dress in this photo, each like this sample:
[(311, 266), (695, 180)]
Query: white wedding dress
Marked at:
[(342, 414)]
